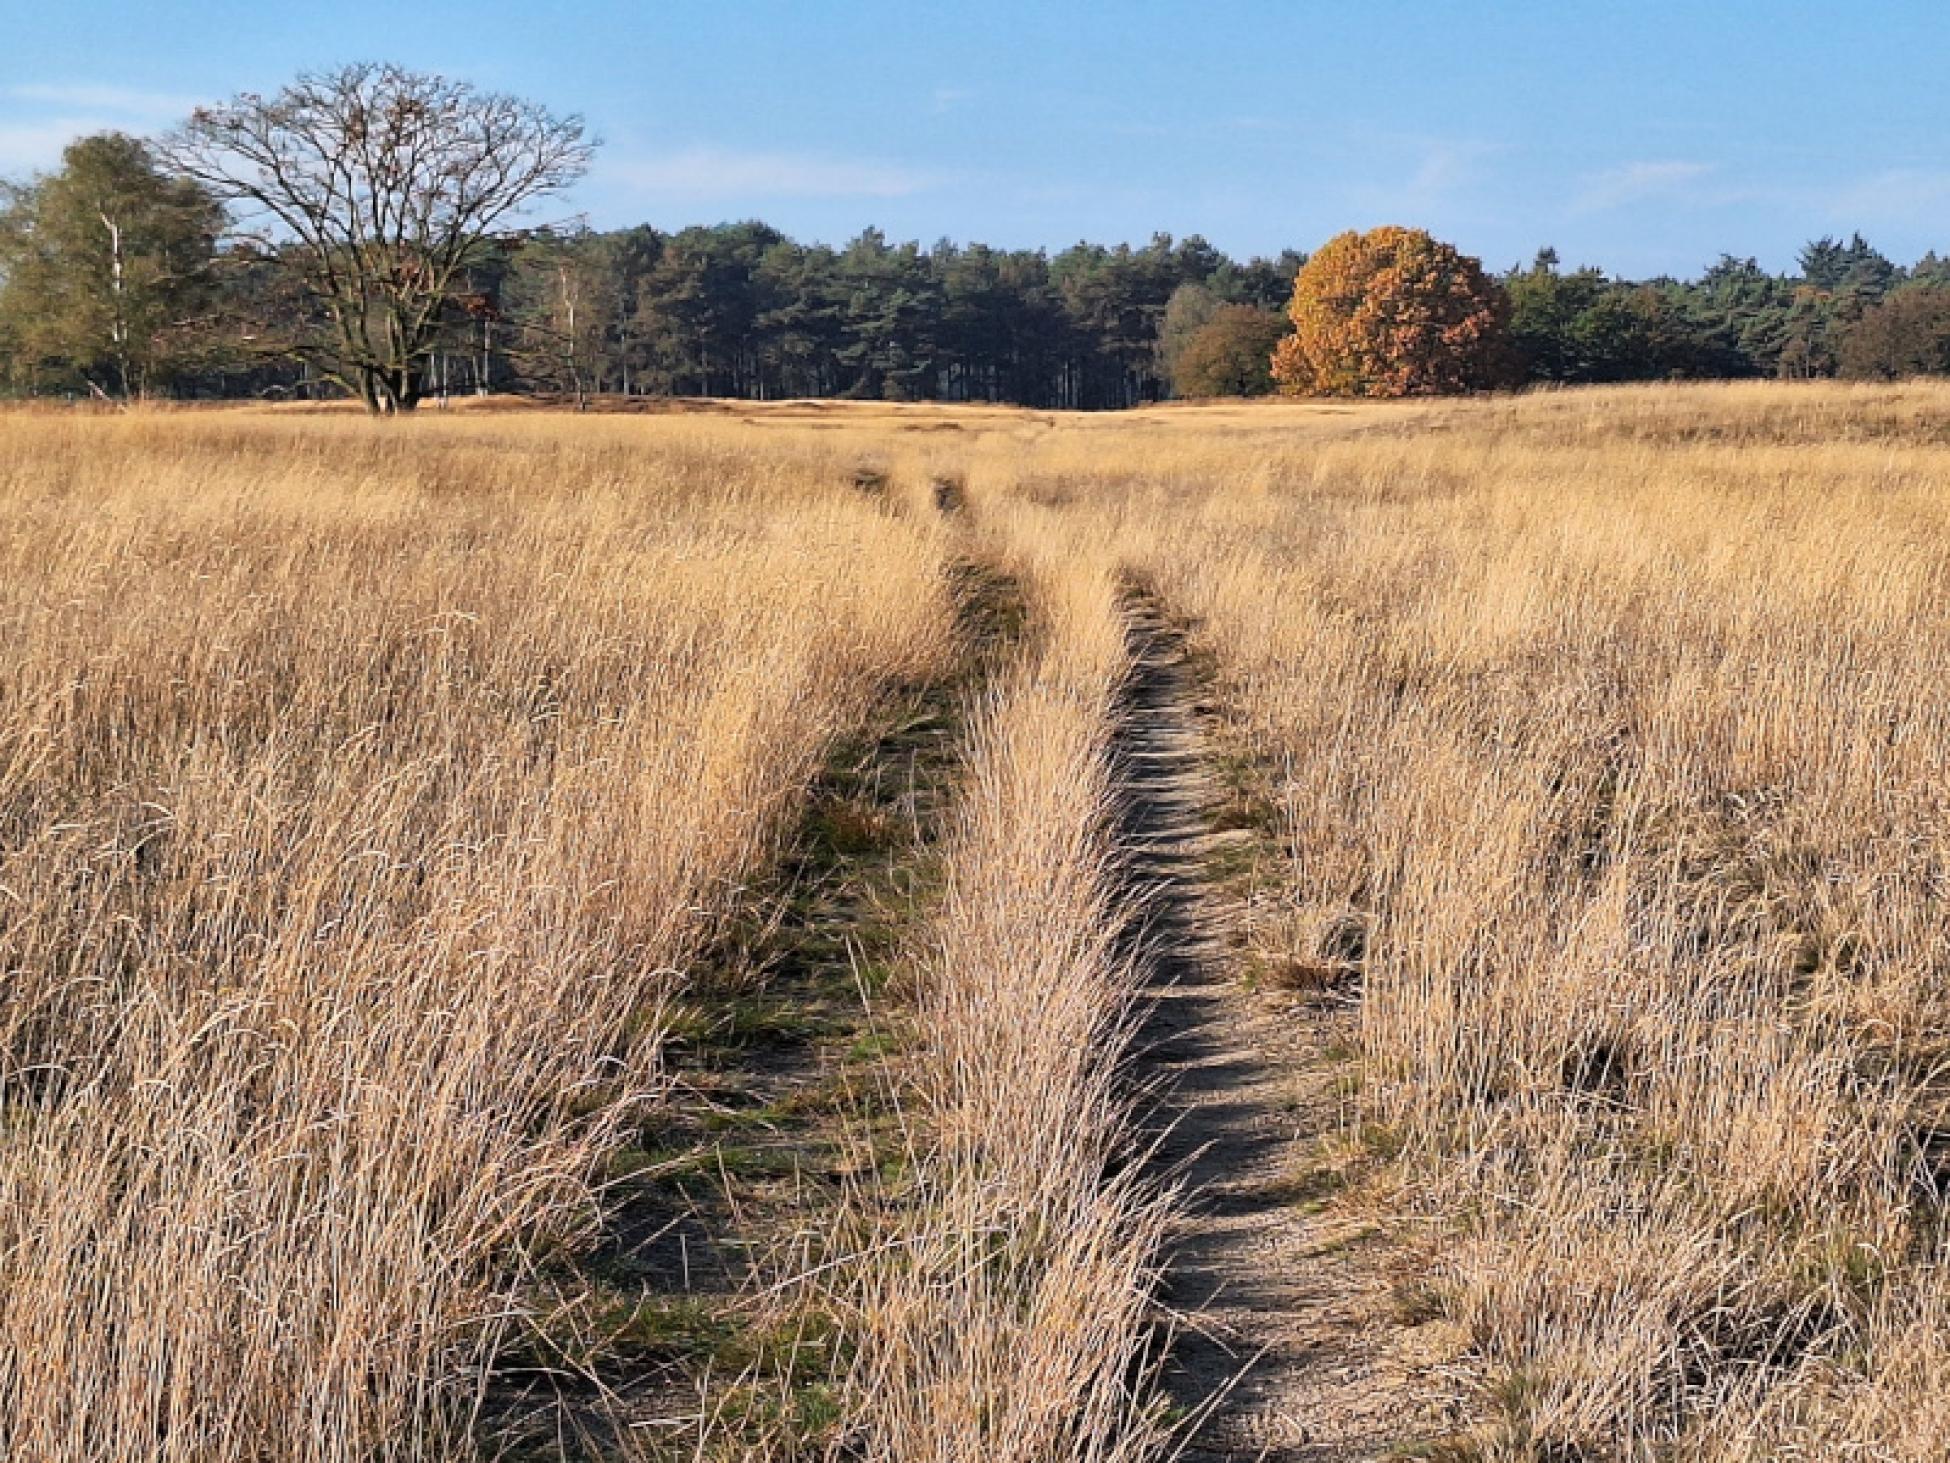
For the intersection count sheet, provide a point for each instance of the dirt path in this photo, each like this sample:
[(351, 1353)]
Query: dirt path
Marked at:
[(1294, 1345), (683, 1340)]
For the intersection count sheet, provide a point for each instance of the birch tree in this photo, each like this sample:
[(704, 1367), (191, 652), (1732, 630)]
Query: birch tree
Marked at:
[(105, 270)]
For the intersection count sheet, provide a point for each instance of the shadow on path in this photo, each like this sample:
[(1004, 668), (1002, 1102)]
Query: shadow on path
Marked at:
[(1276, 1351)]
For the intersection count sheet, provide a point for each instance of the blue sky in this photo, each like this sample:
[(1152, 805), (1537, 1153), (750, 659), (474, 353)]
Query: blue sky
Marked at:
[(1646, 137)]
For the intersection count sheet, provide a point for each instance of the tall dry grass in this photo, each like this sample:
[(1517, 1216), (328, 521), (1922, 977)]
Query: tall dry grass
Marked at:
[(1609, 734), (363, 796), (1003, 1311)]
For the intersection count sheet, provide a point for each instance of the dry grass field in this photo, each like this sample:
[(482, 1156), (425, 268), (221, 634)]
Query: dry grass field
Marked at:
[(364, 802), (378, 804)]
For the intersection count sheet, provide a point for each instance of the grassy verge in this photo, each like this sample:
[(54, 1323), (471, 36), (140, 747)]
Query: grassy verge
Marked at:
[(1001, 1304), (702, 1326)]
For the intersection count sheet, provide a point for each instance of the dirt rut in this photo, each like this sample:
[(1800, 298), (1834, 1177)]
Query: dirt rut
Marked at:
[(1291, 1346)]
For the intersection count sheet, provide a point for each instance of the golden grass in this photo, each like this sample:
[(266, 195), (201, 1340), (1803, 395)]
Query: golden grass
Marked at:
[(363, 792), (1002, 1315), (1610, 735), (362, 798)]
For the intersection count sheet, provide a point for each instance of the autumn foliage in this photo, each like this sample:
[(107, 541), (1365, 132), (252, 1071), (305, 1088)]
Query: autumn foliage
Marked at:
[(1228, 355), (1393, 312)]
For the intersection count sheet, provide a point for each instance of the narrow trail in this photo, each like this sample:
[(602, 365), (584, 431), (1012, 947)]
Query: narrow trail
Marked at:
[(776, 1066), (1290, 1349)]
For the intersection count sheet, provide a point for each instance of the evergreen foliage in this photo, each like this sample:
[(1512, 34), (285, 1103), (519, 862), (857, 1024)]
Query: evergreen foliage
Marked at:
[(742, 310)]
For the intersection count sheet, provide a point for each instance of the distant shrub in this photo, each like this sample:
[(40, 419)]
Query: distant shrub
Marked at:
[(1907, 334), (1230, 355)]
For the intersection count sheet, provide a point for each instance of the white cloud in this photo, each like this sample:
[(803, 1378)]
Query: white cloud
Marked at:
[(120, 101), (38, 121), (1261, 124), (1442, 169), (27, 147), (949, 98), (717, 172), (1445, 167), (1633, 182), (1894, 196)]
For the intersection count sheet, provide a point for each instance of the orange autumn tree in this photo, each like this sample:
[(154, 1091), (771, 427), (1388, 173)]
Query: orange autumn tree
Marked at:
[(1393, 312)]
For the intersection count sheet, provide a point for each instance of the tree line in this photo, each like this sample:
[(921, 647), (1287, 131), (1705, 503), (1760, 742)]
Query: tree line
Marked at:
[(363, 233)]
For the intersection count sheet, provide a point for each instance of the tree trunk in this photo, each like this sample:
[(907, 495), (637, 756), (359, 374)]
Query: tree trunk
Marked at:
[(118, 320)]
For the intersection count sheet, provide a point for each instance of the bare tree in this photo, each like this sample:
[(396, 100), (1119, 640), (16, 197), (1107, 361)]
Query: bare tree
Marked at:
[(384, 185)]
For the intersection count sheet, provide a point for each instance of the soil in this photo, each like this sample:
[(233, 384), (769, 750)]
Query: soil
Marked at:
[(1296, 1335)]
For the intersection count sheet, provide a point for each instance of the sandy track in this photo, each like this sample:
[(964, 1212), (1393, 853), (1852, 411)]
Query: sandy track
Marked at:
[(1290, 1347)]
